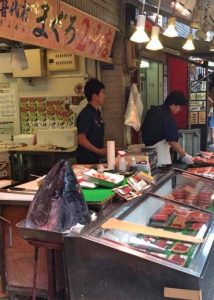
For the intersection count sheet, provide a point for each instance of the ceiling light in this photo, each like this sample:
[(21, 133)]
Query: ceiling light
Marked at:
[(144, 63), (155, 43), (171, 30), (211, 48), (189, 46), (177, 5), (186, 12), (140, 36)]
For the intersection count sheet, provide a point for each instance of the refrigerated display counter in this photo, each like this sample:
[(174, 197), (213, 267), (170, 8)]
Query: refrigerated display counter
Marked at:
[(149, 249), (189, 189)]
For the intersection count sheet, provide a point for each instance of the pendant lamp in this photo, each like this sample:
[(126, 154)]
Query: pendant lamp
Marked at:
[(189, 45), (155, 43), (171, 30), (140, 36)]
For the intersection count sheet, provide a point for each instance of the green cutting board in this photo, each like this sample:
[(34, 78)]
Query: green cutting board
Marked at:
[(97, 195)]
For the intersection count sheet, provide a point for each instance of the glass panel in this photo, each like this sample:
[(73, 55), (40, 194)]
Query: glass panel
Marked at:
[(190, 190), (158, 213)]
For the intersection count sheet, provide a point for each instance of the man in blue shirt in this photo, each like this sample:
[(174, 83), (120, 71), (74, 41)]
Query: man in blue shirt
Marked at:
[(90, 126), (159, 128)]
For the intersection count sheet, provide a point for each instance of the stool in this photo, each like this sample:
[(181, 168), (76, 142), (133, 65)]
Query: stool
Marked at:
[(50, 248)]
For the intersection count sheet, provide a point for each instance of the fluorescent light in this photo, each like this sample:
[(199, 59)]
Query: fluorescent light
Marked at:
[(170, 30), (144, 64), (155, 43), (189, 46), (140, 36)]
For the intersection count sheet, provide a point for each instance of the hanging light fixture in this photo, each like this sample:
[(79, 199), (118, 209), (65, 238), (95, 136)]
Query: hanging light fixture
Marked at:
[(155, 43), (189, 45), (140, 36), (211, 48)]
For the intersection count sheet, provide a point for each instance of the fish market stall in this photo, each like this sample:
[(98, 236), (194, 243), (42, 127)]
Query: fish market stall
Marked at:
[(15, 204)]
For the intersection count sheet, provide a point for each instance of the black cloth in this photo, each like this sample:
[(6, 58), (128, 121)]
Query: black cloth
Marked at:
[(91, 124), (159, 125)]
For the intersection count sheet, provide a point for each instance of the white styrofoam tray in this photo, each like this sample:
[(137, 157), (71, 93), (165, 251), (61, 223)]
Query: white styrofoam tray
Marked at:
[(105, 179)]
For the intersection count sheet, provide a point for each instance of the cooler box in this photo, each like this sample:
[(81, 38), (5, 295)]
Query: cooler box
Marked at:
[(66, 138)]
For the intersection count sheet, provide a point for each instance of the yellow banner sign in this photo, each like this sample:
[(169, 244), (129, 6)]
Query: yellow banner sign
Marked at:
[(56, 25)]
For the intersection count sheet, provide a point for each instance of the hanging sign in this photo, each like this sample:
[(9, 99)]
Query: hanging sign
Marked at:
[(202, 117), (198, 106), (194, 118), (56, 25)]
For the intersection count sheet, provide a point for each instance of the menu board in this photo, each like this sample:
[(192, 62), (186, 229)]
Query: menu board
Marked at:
[(202, 117), (48, 112), (194, 117), (7, 109), (198, 104)]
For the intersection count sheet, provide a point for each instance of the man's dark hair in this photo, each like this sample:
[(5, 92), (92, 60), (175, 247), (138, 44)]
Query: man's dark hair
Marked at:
[(175, 97), (93, 86)]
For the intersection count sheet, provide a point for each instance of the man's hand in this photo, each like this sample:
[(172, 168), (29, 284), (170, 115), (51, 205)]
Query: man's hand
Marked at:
[(187, 159), (102, 152)]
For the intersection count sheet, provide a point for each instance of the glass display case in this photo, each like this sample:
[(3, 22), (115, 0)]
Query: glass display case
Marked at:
[(188, 189), (148, 245)]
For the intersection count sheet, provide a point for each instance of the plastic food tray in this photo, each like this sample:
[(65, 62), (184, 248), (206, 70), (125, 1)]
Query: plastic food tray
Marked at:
[(104, 179)]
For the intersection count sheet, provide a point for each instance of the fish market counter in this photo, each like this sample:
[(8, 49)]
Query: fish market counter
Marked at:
[(126, 263), (157, 246)]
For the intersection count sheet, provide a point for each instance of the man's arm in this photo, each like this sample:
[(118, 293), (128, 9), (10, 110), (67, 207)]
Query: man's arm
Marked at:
[(84, 142), (177, 147)]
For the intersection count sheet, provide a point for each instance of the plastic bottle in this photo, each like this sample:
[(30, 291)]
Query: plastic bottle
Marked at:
[(133, 164), (122, 163)]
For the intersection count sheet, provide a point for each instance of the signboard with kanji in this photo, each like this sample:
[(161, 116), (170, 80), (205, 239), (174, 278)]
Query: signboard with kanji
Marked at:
[(56, 25)]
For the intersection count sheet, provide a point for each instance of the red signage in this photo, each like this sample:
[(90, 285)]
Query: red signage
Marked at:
[(56, 25)]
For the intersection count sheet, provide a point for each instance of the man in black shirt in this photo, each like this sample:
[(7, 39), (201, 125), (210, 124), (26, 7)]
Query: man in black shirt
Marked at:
[(159, 128), (90, 125)]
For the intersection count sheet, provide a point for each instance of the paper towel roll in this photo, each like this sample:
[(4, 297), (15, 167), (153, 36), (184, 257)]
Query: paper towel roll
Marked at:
[(111, 155)]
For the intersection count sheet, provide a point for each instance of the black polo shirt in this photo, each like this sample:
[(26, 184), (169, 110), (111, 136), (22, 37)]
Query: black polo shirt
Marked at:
[(91, 124), (159, 124)]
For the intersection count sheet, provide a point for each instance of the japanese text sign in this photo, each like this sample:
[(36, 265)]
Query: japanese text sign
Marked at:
[(56, 25)]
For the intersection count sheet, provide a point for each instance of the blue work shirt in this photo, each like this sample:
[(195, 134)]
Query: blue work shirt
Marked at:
[(159, 124), (91, 124)]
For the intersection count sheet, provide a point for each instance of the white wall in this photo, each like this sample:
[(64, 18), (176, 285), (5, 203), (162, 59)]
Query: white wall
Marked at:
[(54, 84)]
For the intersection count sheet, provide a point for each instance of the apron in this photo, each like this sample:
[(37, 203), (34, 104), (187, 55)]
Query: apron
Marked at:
[(163, 152)]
